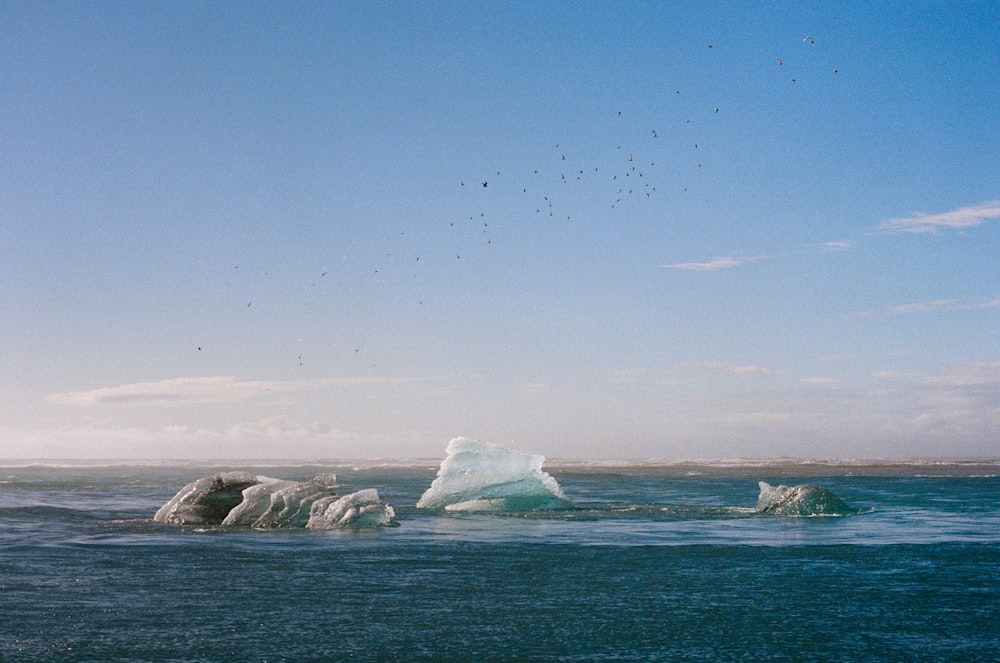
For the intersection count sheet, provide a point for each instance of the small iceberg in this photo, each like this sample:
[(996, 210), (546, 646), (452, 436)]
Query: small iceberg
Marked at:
[(802, 500), (242, 499), (479, 476), (206, 501), (358, 510)]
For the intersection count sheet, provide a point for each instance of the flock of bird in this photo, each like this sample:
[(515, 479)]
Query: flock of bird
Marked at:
[(640, 165), (638, 170)]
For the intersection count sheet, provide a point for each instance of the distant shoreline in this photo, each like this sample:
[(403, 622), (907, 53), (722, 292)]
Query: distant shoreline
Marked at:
[(918, 467)]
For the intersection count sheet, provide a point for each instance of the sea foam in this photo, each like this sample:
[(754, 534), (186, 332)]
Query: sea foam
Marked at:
[(479, 476)]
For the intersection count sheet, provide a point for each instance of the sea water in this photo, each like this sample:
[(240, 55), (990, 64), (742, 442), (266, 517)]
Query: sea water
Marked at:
[(645, 561)]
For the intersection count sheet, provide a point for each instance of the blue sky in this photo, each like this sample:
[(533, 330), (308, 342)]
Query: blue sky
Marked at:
[(598, 230)]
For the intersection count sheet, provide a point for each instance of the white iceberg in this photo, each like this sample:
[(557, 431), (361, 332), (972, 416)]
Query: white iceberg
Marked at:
[(479, 476), (357, 510), (241, 499)]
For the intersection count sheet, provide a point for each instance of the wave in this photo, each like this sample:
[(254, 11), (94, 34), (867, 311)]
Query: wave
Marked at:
[(479, 476), (802, 500), (242, 499)]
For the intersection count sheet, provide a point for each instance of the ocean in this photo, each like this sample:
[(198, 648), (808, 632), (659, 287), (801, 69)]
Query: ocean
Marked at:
[(661, 561)]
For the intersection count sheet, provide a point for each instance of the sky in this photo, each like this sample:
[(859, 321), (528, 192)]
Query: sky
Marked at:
[(663, 230)]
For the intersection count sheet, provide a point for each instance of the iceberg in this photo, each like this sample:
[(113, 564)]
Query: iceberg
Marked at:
[(802, 500), (280, 503), (479, 476), (241, 499), (206, 501), (357, 510)]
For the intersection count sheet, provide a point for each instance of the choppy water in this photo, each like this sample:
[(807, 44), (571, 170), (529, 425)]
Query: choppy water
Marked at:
[(650, 563)]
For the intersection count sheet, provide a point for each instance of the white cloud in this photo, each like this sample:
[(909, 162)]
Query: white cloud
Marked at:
[(968, 375), (958, 402), (966, 217), (740, 371), (268, 438), (944, 305), (923, 307), (710, 266), (687, 373), (534, 388), (985, 302), (176, 391), (204, 391), (835, 246), (821, 380), (650, 376), (728, 262), (894, 375), (768, 417)]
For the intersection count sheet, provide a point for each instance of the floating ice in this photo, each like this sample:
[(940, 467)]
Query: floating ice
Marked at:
[(242, 499), (281, 503), (479, 476), (801, 500), (206, 501), (357, 510)]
